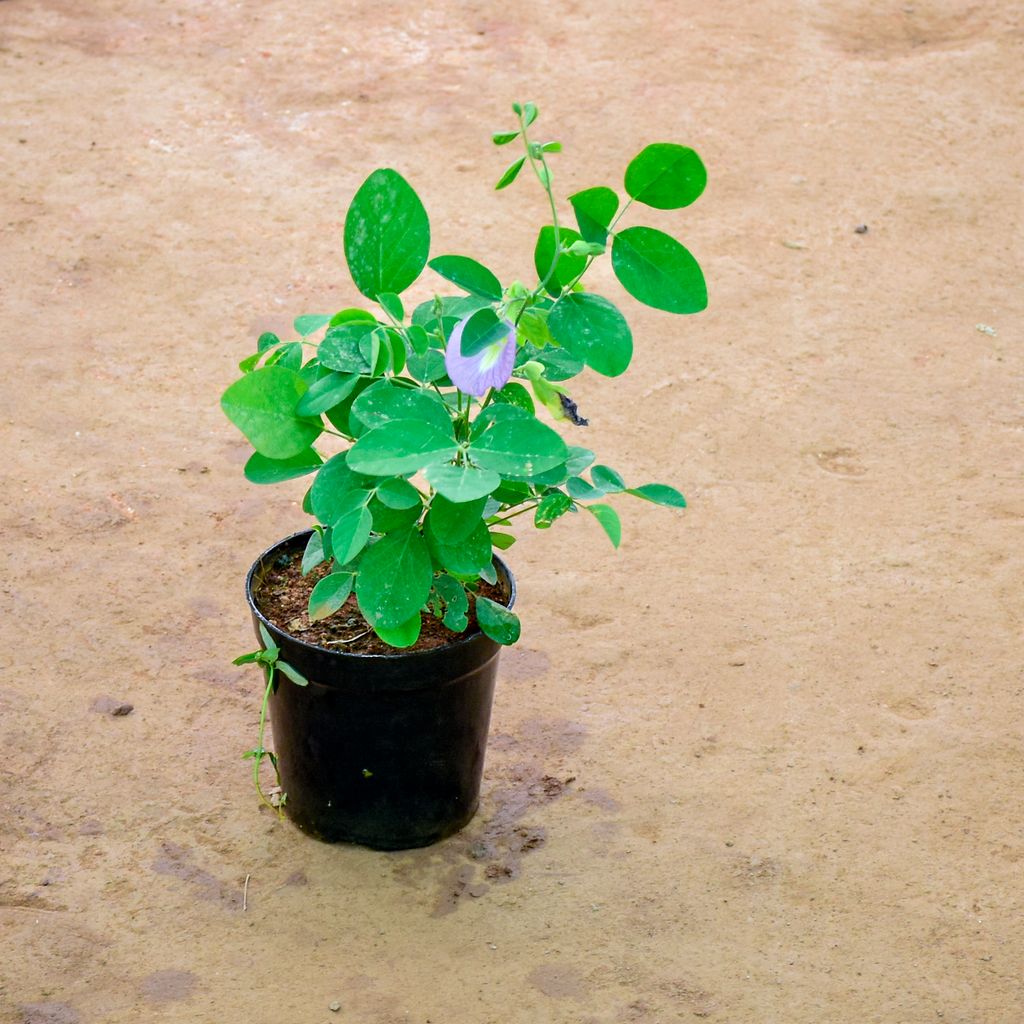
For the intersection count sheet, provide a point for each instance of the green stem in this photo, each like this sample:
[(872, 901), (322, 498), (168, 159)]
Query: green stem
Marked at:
[(525, 508), (545, 180), (260, 752)]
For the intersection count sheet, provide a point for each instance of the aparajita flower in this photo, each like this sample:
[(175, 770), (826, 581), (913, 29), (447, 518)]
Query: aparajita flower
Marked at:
[(491, 367)]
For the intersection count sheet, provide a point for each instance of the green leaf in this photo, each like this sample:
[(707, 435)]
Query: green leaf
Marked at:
[(387, 235), (581, 490), (666, 176), (514, 394), (592, 329), (660, 494), (483, 328), (502, 541), (398, 494), (352, 316), (247, 659), (462, 483), (269, 647), (533, 326), (351, 530), (310, 324), (451, 521), (466, 557), (400, 447), (329, 495), (261, 470), (418, 339), (456, 603), (398, 350), (403, 635), (586, 248), (394, 579), (293, 674), (657, 271), (568, 268), (510, 175), (606, 478), (343, 349), (330, 594), (579, 459), (248, 364), (558, 364), (609, 520), (313, 555), (595, 209), (262, 405), (428, 366), (267, 340), (385, 403), (289, 355), (467, 274), (326, 393), (392, 305), (387, 519), (530, 113), (500, 624), (510, 441), (504, 138), (551, 147), (551, 507)]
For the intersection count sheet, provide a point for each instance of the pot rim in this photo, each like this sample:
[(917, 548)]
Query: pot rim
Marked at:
[(463, 640)]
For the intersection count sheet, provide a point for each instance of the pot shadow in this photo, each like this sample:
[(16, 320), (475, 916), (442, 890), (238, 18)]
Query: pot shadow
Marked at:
[(524, 773)]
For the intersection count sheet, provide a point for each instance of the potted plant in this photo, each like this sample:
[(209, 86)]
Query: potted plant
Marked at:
[(428, 434)]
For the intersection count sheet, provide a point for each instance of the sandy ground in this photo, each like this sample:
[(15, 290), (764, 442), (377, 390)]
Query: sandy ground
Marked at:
[(791, 716)]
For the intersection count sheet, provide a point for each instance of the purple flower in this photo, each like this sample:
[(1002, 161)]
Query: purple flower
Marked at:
[(491, 367)]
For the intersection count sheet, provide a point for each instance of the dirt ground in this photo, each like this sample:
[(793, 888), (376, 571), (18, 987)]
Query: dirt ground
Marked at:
[(762, 765)]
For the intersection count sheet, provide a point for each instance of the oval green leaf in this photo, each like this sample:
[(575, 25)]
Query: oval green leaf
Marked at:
[(496, 621), (400, 447), (609, 520), (263, 404), (330, 494), (607, 479), (387, 235), (398, 494), (467, 274), (326, 393), (510, 175), (509, 441), (329, 595), (592, 329), (660, 494), (568, 268), (451, 521), (666, 176), (403, 635), (394, 579), (385, 403), (595, 209), (658, 271), (462, 483), (261, 470)]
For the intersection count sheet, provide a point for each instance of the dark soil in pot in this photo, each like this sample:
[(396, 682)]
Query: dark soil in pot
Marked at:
[(283, 597), (381, 749)]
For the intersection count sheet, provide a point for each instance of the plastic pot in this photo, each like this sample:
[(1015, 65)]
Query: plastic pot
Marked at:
[(384, 750)]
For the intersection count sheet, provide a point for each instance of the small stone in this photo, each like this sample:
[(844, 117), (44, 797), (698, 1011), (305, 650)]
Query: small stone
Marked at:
[(110, 706), (861, 229), (335, 1006)]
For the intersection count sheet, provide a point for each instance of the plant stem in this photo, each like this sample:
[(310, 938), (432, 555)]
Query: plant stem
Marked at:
[(260, 752), (525, 508)]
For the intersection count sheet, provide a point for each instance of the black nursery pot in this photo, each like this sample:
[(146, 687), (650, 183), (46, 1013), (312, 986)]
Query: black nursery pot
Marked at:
[(384, 750)]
